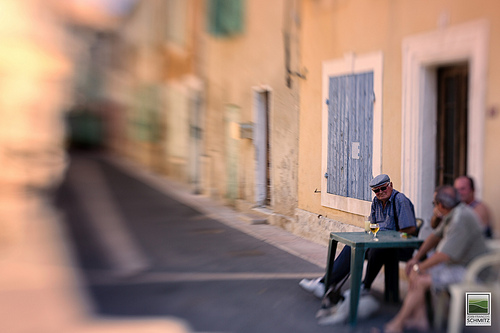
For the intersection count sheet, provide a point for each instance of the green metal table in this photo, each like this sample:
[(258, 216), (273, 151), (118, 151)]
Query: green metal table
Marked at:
[(359, 243)]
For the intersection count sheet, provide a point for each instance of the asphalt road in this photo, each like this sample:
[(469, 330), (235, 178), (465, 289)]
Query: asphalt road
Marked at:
[(142, 253)]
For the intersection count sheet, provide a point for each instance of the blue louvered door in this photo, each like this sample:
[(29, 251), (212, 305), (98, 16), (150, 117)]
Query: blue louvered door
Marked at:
[(350, 135)]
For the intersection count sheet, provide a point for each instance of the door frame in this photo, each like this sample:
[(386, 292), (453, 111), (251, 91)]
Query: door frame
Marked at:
[(422, 54), (261, 137)]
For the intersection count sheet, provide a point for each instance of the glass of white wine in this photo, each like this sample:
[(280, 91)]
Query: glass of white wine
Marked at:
[(367, 223), (374, 228)]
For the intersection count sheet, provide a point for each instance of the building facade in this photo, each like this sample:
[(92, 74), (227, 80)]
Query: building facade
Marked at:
[(289, 108), (252, 75), (209, 96), (392, 91)]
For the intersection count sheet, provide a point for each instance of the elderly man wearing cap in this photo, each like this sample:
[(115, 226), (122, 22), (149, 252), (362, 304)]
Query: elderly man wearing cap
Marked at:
[(392, 210)]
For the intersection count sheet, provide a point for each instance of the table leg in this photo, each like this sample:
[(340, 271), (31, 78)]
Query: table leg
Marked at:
[(357, 259), (332, 249), (391, 281)]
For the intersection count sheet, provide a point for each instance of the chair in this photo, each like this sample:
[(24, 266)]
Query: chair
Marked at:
[(420, 222), (471, 283)]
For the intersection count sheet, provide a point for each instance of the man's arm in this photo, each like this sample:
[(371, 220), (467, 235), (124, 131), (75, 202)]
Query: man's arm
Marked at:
[(404, 214), (436, 258), (410, 230), (483, 213), (430, 242)]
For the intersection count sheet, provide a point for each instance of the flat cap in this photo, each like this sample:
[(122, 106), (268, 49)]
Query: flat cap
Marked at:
[(379, 180)]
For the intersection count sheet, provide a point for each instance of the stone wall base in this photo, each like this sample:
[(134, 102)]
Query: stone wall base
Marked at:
[(310, 225)]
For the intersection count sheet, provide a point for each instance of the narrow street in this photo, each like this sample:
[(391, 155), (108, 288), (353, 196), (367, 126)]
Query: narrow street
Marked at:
[(144, 253)]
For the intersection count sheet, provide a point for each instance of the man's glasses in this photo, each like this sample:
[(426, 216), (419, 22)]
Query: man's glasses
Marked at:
[(381, 188)]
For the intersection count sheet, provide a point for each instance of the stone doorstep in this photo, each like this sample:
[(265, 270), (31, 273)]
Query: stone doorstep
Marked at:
[(257, 215)]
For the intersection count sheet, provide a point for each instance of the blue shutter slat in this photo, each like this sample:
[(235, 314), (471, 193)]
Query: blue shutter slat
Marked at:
[(368, 140), (333, 134), (355, 163), (332, 120), (351, 125), (343, 125), (341, 180)]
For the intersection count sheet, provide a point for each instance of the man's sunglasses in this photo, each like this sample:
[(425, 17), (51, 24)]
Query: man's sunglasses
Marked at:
[(381, 188)]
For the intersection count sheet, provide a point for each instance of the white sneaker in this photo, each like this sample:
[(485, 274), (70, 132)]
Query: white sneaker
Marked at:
[(314, 286)]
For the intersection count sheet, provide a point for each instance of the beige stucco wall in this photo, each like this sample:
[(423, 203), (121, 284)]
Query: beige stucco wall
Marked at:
[(330, 29), (237, 67), (40, 287), (159, 46)]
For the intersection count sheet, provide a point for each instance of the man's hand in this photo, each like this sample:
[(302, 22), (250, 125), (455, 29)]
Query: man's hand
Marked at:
[(409, 266), (436, 218)]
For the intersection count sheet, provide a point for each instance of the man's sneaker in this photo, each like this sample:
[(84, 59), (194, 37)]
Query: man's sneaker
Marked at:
[(314, 286)]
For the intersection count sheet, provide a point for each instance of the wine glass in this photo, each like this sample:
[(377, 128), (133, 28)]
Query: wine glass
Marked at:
[(374, 228)]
